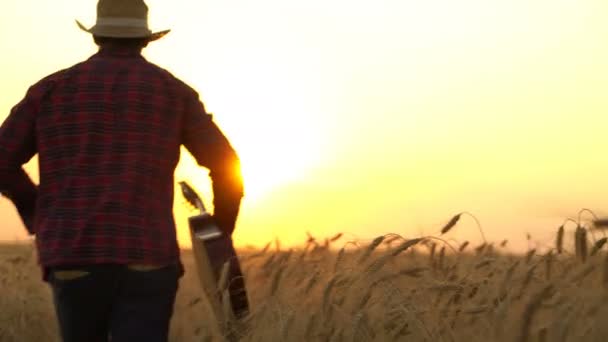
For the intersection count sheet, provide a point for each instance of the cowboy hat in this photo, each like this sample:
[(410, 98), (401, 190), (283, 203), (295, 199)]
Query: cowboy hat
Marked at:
[(122, 19)]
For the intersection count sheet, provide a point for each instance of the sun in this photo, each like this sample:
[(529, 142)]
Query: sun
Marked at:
[(272, 127), (266, 164), (270, 158)]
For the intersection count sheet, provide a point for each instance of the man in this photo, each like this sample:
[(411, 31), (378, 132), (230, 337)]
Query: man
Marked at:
[(108, 133)]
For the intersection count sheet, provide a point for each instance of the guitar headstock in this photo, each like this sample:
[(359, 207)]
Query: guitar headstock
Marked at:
[(191, 196)]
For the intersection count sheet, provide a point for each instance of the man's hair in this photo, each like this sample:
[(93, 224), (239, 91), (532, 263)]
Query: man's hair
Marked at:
[(121, 42)]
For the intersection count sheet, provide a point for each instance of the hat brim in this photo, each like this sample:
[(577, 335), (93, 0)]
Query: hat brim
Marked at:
[(123, 32)]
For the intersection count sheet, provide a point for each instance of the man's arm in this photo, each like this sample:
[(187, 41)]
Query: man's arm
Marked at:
[(211, 149), (17, 147)]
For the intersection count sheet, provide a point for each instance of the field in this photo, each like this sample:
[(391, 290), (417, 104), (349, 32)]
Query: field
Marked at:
[(385, 290)]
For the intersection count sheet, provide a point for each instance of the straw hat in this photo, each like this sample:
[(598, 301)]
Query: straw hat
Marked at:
[(122, 19)]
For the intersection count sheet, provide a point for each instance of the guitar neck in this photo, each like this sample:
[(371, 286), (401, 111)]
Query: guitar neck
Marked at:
[(201, 206)]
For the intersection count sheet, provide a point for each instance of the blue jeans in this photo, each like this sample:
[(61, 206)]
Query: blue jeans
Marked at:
[(114, 302)]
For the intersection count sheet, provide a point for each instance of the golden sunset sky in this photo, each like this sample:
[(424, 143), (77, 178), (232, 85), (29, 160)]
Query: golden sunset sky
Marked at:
[(368, 117)]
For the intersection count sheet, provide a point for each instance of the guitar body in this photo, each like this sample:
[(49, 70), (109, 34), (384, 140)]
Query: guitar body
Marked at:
[(205, 271), (214, 252)]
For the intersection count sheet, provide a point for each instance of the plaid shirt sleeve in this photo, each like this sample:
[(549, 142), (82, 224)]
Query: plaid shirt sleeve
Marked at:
[(211, 149), (17, 147)]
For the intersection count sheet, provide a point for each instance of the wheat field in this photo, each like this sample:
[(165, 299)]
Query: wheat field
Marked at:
[(388, 289)]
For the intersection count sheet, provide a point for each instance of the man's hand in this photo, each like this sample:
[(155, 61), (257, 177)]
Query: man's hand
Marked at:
[(28, 221), (29, 226), (26, 211), (17, 186), (225, 223)]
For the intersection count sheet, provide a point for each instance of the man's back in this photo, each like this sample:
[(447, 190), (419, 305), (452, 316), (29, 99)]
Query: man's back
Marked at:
[(108, 132)]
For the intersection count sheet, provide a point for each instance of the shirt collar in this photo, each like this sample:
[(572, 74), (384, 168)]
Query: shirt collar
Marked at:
[(119, 51)]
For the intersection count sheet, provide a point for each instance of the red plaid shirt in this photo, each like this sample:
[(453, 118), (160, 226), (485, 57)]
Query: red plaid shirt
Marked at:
[(108, 133)]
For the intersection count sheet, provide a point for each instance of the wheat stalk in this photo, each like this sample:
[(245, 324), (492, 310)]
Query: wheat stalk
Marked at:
[(531, 309), (451, 223), (327, 291), (311, 283), (580, 238), (441, 258), (335, 237), (405, 246), (548, 262), (598, 245), (274, 285), (559, 242), (605, 273), (368, 251), (529, 255), (339, 258)]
